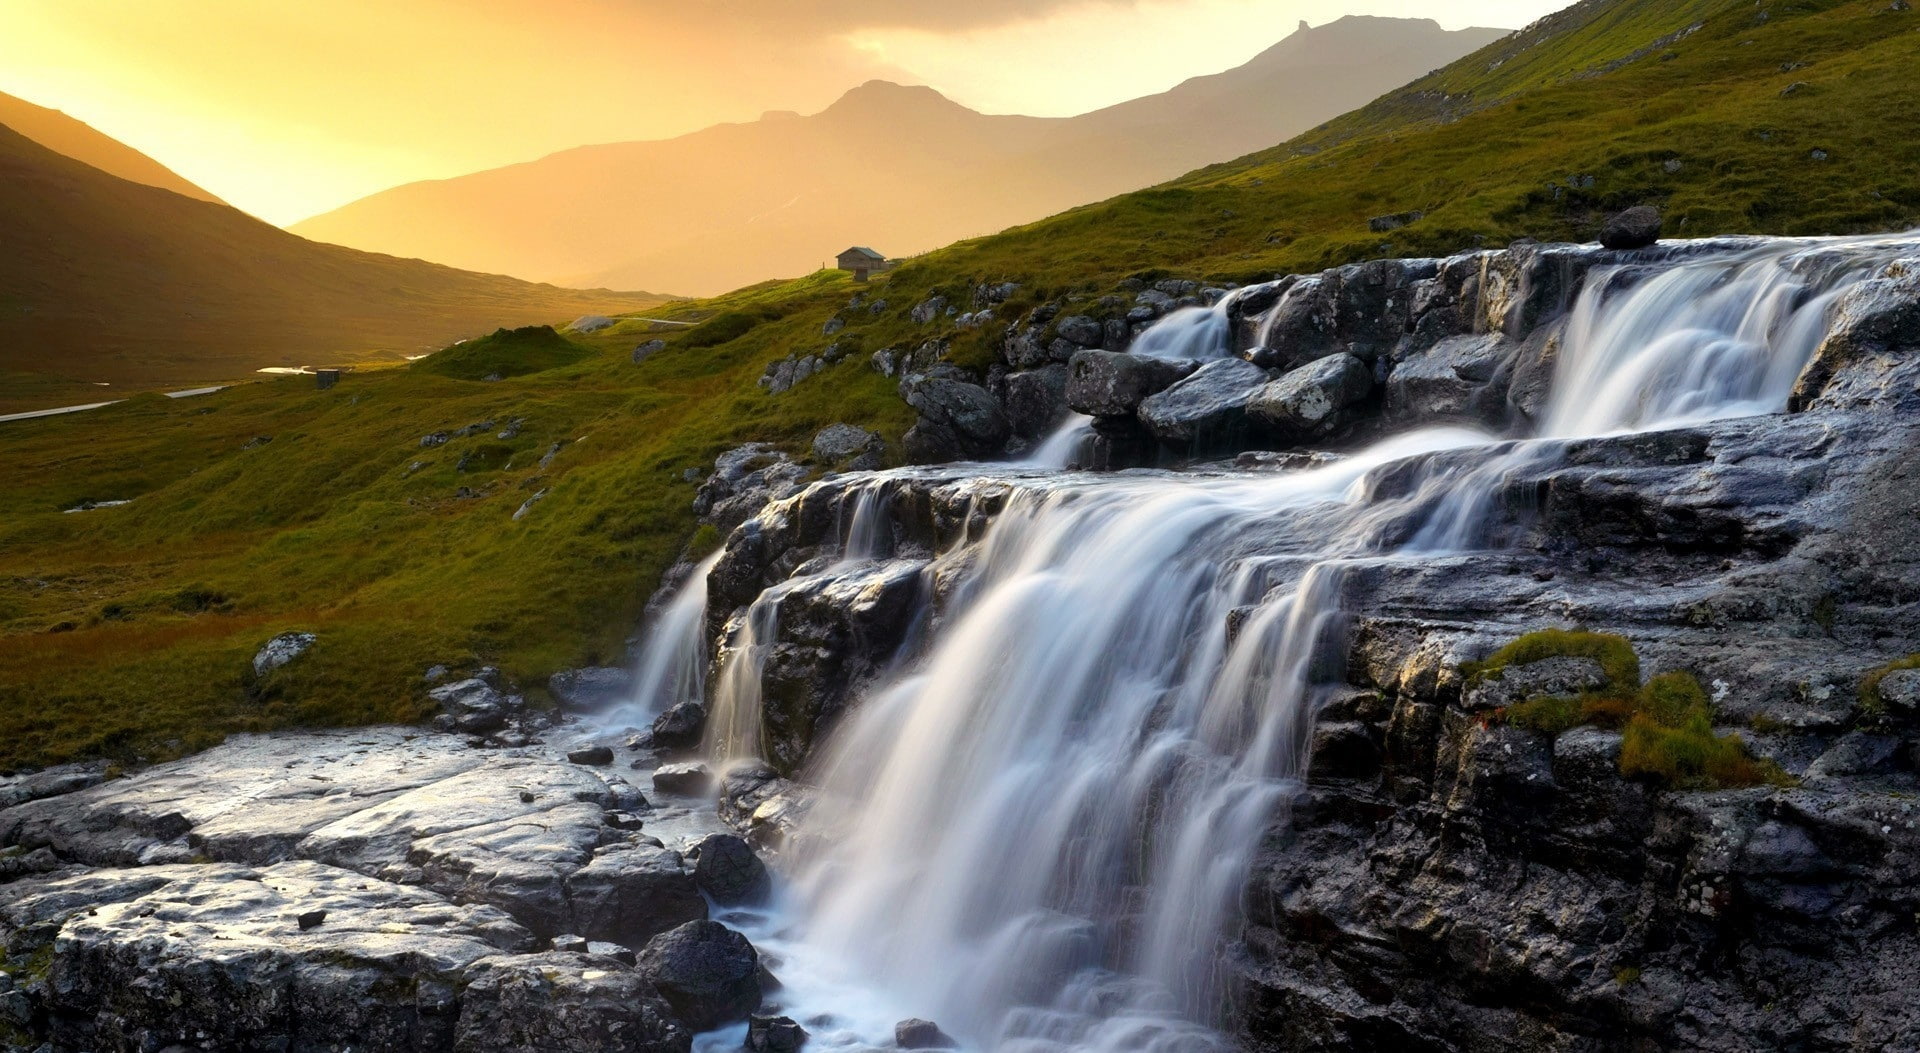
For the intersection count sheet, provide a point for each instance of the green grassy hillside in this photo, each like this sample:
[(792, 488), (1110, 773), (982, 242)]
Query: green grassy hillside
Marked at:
[(126, 630)]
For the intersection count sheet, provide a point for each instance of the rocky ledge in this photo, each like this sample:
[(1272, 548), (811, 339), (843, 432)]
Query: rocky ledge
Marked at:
[(381, 889)]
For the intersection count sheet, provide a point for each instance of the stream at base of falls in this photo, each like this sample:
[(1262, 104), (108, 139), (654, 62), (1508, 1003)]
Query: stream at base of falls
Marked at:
[(1035, 831)]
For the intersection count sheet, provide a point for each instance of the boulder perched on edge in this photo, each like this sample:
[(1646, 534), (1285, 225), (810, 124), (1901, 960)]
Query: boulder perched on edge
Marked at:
[(1636, 228)]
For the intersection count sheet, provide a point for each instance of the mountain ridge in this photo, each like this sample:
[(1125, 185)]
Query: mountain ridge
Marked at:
[(902, 167), (110, 280)]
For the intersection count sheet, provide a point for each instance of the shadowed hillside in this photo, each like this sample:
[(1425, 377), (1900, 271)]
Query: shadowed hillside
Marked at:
[(903, 169), (64, 135), (108, 280)]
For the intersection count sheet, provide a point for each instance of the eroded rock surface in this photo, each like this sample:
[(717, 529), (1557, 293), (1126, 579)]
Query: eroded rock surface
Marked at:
[(380, 888)]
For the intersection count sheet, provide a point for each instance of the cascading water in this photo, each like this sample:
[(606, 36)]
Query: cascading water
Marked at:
[(1037, 834), (673, 662), (1197, 333)]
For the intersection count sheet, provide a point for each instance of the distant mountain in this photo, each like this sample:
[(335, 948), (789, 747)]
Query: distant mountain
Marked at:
[(104, 279), (901, 169), (64, 135)]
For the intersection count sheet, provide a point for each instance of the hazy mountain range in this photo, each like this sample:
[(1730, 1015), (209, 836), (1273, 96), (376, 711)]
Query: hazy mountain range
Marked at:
[(902, 169), (106, 278)]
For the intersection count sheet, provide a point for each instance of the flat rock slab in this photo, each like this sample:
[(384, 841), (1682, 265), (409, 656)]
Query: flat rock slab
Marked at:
[(511, 829), (214, 956)]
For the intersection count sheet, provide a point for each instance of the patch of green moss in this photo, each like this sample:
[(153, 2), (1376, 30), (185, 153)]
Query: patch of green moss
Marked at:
[(1614, 653), (1870, 699), (1667, 723)]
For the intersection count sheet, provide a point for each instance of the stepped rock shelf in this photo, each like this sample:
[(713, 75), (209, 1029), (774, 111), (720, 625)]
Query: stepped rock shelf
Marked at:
[(1414, 870)]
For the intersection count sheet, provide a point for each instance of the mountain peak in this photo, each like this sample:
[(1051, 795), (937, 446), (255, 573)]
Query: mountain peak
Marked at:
[(884, 98)]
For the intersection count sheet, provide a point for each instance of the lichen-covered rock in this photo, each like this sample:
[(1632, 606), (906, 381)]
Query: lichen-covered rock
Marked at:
[(1114, 384), (839, 444), (746, 479), (281, 650), (1208, 409), (151, 957), (1314, 401), (540, 1003)]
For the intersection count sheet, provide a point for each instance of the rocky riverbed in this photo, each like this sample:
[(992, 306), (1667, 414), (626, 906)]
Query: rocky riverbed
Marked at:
[(380, 889)]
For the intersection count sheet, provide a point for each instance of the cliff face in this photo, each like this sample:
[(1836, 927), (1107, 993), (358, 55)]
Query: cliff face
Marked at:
[(1449, 877)]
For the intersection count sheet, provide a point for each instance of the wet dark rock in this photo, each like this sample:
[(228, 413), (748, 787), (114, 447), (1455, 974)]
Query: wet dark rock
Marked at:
[(1207, 410), (631, 892), (966, 411), (540, 1003), (680, 727), (589, 689), (475, 706), (311, 919), (1636, 228), (915, 1033), (728, 869), (1036, 400), (1114, 384), (774, 1034), (595, 756), (707, 972), (1458, 378)]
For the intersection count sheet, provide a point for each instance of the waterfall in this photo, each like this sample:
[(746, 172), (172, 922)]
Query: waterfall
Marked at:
[(673, 660), (1038, 832), (1199, 333)]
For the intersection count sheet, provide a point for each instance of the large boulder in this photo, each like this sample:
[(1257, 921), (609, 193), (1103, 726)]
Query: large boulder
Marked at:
[(475, 706), (632, 892), (707, 972), (727, 869), (746, 479), (1206, 410), (1036, 400), (842, 444), (1455, 378), (1316, 400), (1636, 228), (281, 650), (965, 410), (1113, 384)]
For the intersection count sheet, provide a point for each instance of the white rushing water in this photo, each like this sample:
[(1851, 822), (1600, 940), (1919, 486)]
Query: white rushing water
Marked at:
[(1037, 833)]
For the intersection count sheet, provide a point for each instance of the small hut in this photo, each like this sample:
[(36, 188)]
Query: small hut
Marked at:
[(862, 261)]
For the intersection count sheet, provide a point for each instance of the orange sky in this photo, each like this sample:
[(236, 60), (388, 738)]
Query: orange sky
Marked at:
[(288, 109)]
